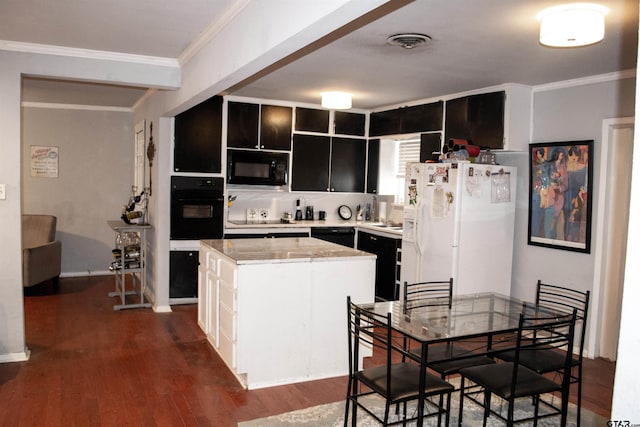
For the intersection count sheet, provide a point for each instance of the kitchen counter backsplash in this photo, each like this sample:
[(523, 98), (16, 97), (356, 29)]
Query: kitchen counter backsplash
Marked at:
[(261, 206)]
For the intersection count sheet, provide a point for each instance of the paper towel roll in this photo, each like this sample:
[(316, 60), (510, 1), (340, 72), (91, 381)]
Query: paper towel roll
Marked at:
[(382, 211)]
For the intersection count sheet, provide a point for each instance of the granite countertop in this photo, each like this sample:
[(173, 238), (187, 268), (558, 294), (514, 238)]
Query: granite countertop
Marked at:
[(291, 249), (376, 227)]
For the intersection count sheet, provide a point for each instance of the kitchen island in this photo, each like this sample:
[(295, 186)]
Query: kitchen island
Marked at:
[(275, 309)]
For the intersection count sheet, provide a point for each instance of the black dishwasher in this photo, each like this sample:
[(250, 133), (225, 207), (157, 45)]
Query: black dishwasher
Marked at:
[(344, 236)]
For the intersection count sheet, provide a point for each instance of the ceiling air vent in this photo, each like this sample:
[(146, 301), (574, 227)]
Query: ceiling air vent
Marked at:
[(408, 40)]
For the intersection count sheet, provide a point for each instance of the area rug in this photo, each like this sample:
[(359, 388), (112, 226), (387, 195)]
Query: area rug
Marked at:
[(332, 415)]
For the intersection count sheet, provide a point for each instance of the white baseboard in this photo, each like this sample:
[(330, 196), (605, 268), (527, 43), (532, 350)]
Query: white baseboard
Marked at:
[(15, 357), (162, 309), (86, 273)]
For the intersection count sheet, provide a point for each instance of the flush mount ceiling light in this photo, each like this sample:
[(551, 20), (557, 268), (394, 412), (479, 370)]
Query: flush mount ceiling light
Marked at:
[(336, 100), (408, 40), (572, 25)]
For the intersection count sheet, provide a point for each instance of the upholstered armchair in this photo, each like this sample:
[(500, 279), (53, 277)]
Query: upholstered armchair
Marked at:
[(41, 253)]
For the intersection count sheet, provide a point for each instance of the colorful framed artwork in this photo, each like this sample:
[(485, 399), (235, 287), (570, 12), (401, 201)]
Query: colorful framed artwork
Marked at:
[(560, 186)]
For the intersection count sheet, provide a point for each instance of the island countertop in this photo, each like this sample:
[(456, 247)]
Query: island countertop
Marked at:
[(288, 249)]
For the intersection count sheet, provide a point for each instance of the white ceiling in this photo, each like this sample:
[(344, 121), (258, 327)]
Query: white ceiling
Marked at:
[(476, 44)]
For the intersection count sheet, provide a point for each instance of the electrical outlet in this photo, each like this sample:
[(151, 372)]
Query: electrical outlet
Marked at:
[(3, 191), (252, 214), (264, 214)]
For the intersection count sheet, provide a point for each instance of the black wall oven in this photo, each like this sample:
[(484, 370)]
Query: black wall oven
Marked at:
[(197, 208)]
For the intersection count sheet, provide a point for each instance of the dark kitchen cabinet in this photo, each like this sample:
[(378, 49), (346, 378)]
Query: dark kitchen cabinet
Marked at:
[(477, 118), (373, 165), (312, 120), (275, 127), (198, 138), (430, 146), (416, 118), (183, 274), (321, 163), (242, 124), (347, 123), (385, 248), (310, 165), (348, 163), (384, 123), (422, 118)]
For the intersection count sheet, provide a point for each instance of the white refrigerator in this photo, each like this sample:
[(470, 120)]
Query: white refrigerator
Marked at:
[(459, 222)]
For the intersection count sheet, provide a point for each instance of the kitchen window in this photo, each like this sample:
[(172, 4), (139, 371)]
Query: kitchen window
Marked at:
[(396, 154)]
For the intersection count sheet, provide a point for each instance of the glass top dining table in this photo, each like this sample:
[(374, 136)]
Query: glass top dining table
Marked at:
[(470, 316)]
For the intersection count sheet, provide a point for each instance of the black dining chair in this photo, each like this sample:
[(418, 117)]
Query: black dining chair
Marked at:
[(513, 380), (445, 358), (547, 360), (431, 293), (396, 381)]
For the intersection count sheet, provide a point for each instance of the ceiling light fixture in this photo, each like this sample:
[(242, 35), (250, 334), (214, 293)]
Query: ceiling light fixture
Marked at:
[(408, 40), (572, 25), (336, 100)]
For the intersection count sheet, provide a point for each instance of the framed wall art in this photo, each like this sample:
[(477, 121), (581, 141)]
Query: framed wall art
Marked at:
[(560, 186)]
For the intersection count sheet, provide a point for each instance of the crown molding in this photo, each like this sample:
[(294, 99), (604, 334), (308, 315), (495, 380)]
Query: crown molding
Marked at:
[(600, 78), (58, 106), (44, 49), (212, 30)]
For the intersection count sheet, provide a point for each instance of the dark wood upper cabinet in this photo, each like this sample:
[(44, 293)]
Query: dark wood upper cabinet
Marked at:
[(275, 127), (348, 160), (477, 118), (430, 146), (417, 118), (384, 123), (312, 120), (347, 123), (373, 165), (310, 164), (422, 118), (198, 138), (242, 124)]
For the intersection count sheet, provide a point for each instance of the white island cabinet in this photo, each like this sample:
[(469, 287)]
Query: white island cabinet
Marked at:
[(276, 309)]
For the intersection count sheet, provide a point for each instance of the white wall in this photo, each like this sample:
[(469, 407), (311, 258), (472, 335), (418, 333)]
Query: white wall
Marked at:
[(95, 174), (565, 114), (14, 65)]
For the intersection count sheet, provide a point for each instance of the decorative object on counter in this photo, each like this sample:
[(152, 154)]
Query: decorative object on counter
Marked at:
[(231, 199), (135, 211), (345, 212), (298, 211), (359, 213), (151, 152), (487, 158), (287, 218), (459, 149), (382, 211)]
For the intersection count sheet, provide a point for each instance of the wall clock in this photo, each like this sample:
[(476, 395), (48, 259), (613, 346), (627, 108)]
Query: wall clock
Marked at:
[(345, 212)]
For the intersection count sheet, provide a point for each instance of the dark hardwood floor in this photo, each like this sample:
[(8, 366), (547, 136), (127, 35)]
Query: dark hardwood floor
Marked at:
[(92, 366)]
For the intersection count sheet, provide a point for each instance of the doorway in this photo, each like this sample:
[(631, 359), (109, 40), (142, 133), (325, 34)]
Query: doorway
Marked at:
[(613, 215)]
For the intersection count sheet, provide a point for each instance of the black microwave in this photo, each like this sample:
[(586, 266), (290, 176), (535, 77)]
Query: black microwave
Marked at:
[(257, 167)]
